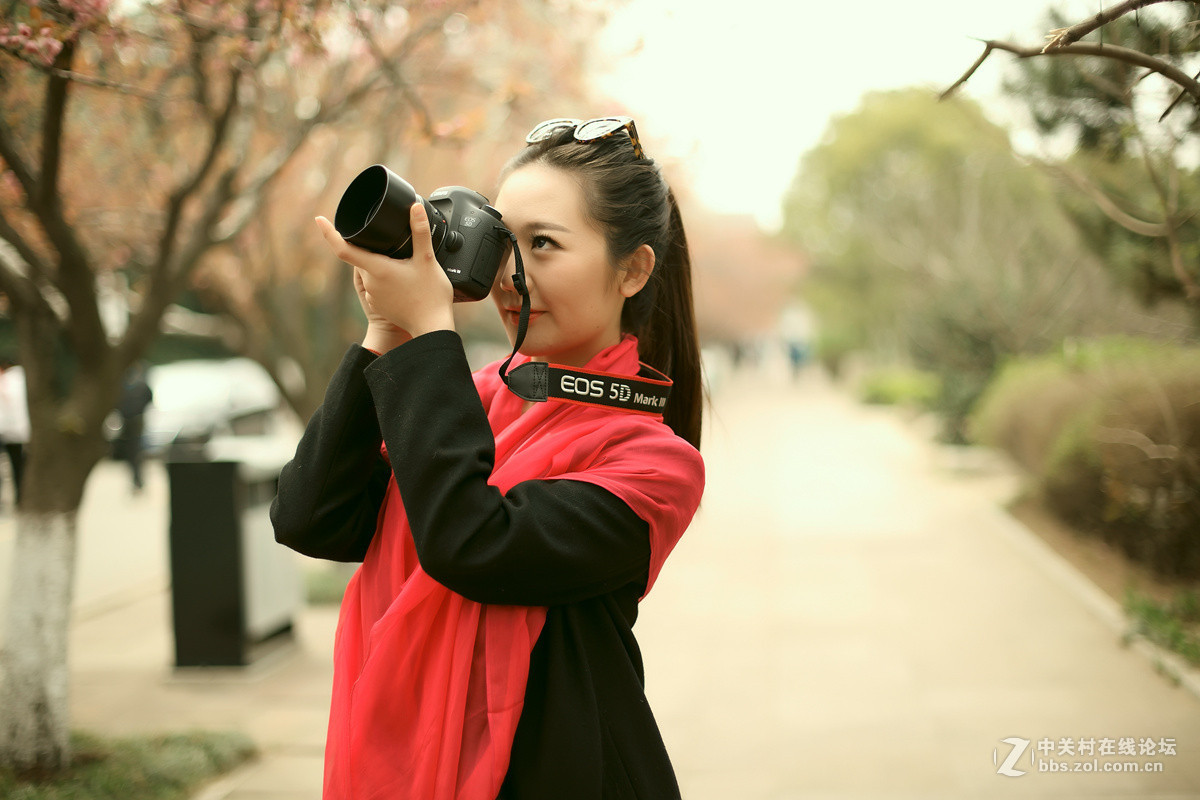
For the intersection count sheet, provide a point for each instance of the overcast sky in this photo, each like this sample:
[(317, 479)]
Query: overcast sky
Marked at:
[(737, 91)]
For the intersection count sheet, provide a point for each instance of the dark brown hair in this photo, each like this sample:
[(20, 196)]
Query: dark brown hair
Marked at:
[(632, 205)]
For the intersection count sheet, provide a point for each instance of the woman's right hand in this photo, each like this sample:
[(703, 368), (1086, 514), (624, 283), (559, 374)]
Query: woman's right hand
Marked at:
[(382, 335)]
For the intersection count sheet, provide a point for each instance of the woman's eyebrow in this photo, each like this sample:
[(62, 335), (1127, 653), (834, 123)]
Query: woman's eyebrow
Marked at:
[(545, 226)]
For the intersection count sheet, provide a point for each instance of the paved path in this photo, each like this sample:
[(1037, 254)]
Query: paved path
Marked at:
[(847, 618)]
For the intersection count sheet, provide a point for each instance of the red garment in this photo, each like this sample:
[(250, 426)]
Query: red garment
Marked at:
[(429, 686)]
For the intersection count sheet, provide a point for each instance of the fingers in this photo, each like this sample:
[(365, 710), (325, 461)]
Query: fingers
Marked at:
[(340, 247), (360, 284), (418, 220)]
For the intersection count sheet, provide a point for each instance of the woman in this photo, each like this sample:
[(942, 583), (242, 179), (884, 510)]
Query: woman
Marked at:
[(484, 647)]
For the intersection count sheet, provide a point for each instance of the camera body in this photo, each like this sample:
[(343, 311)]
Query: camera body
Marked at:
[(469, 239), (475, 241)]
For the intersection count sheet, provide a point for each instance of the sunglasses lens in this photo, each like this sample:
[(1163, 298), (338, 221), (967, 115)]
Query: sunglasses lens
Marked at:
[(544, 130), (599, 128)]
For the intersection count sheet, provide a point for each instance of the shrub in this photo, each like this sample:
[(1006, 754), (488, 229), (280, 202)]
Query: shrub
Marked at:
[(1174, 625), (1027, 406), (1111, 435), (899, 386)]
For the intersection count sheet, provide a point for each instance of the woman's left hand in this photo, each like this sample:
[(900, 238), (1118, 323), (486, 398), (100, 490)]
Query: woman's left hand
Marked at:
[(413, 294)]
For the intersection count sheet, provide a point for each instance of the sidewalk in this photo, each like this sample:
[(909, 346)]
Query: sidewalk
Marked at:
[(847, 618)]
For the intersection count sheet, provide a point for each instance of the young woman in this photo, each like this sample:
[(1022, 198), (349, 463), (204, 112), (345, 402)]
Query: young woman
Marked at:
[(484, 647)]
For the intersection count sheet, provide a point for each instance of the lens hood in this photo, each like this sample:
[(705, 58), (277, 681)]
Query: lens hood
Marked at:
[(373, 212)]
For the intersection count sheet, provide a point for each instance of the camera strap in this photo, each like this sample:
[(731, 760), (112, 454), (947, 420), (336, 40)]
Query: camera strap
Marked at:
[(538, 381)]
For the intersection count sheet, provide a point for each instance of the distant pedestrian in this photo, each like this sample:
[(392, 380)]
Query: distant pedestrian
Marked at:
[(135, 397), (797, 354), (14, 420)]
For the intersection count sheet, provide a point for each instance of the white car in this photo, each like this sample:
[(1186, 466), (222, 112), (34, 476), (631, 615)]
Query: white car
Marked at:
[(195, 400)]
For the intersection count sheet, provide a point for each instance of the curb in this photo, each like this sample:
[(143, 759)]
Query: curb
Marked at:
[(1103, 607)]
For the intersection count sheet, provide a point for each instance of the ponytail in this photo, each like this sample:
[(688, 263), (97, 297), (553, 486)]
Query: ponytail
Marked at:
[(667, 335), (629, 200)]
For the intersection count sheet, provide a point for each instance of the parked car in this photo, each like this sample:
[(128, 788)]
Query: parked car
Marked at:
[(197, 399)]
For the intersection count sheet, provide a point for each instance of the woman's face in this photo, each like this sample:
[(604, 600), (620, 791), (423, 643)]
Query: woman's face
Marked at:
[(575, 294)]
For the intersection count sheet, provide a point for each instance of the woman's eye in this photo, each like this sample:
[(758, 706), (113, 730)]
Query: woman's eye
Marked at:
[(542, 242)]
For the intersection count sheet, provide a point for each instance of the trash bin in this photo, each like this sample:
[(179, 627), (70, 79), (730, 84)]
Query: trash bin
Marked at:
[(234, 591)]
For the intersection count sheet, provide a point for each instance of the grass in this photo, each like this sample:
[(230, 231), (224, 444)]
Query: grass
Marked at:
[(1173, 625), (168, 767)]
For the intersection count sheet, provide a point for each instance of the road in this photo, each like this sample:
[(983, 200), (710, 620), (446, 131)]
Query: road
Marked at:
[(850, 616)]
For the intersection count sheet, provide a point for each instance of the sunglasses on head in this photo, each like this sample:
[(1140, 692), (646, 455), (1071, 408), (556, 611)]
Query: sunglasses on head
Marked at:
[(592, 130)]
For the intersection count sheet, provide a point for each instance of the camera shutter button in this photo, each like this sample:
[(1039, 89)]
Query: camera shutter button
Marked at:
[(491, 211)]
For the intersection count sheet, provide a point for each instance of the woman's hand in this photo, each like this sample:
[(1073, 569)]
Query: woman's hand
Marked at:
[(381, 335), (401, 297)]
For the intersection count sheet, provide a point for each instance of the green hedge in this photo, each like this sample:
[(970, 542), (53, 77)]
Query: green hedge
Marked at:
[(899, 386), (1110, 431)]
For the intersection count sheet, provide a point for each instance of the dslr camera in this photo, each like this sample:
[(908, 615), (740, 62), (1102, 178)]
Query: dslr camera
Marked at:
[(469, 240)]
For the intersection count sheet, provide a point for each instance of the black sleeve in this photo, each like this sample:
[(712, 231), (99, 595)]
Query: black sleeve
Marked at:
[(546, 542), (330, 492)]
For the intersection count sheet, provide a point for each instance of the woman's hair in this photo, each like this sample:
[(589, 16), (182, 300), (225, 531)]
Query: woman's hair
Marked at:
[(632, 205)]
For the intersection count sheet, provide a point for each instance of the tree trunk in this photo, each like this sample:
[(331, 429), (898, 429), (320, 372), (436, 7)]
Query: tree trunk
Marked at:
[(68, 402), (34, 716)]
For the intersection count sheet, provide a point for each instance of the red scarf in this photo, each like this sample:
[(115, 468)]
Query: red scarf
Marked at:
[(428, 686)]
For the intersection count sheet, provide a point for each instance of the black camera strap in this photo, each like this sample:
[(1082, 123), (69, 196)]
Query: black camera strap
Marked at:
[(538, 381), (523, 320)]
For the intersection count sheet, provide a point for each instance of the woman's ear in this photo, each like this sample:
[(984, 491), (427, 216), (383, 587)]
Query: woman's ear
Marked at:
[(637, 270)]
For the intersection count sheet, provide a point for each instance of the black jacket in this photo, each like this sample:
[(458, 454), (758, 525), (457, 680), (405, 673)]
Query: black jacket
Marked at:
[(586, 730)]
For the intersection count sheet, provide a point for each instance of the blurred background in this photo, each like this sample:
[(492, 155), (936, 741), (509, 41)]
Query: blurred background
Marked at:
[(1008, 270)]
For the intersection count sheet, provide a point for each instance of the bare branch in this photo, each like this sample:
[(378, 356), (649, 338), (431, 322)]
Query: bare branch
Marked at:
[(25, 250), (1190, 290), (1168, 198), (1139, 440), (966, 76), (74, 279), (53, 117), (392, 69), (1175, 103), (1169, 71), (21, 276), (16, 162), (169, 278), (1109, 206), (14, 280), (1062, 37), (88, 80), (1168, 229), (216, 143), (270, 168)]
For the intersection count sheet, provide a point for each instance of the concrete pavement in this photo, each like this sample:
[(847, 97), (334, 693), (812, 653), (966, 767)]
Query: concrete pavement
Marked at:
[(848, 617)]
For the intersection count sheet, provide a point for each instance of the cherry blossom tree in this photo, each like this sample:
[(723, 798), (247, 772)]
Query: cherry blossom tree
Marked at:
[(140, 144)]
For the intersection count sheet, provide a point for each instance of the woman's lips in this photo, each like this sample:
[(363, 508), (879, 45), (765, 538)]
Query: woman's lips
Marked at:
[(513, 317)]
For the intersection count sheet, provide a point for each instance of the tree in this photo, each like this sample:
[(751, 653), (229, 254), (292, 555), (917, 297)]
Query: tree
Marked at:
[(290, 303), (931, 242), (134, 148), (1129, 108)]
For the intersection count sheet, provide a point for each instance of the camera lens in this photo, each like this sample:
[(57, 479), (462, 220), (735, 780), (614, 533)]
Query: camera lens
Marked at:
[(373, 212)]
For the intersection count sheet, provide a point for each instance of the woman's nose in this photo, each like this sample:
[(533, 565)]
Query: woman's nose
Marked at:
[(504, 277)]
